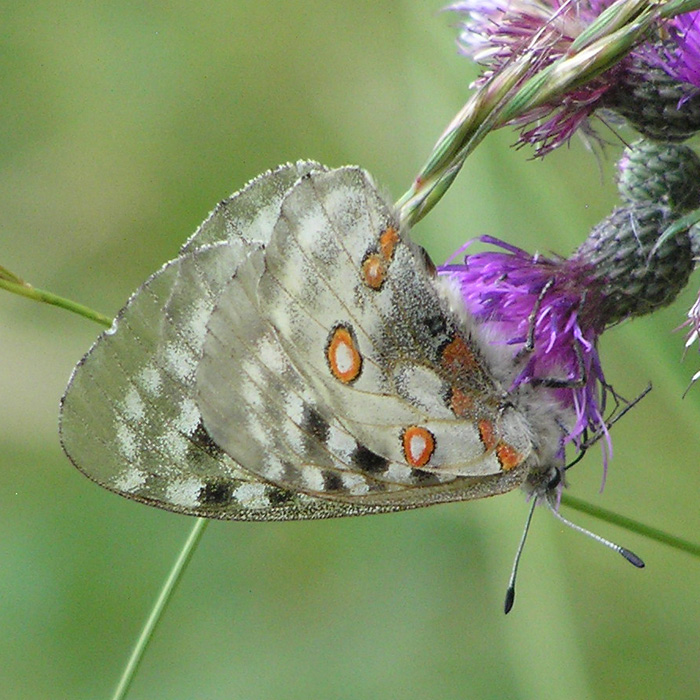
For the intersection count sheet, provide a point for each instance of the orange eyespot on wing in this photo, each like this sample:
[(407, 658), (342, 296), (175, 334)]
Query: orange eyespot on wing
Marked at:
[(418, 445), (458, 357), (507, 456), (487, 434), (376, 264), (344, 359), (461, 403), (374, 271), (387, 243)]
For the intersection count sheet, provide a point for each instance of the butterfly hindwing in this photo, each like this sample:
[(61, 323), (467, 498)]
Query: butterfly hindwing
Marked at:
[(129, 416)]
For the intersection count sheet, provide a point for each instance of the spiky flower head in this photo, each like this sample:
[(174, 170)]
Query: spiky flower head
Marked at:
[(519, 298), (654, 86), (632, 263), (664, 174), (668, 175)]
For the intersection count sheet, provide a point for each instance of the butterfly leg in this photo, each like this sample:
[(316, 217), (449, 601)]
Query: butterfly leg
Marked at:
[(572, 383), (589, 441), (532, 319), (529, 347)]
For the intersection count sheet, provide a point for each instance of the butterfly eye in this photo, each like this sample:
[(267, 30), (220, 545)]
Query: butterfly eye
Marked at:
[(555, 480)]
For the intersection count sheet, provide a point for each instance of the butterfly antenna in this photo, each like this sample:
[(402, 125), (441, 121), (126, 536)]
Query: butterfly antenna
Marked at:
[(599, 433), (510, 591), (631, 557)]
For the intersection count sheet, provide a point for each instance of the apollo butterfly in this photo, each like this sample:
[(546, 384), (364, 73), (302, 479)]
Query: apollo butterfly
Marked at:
[(300, 359)]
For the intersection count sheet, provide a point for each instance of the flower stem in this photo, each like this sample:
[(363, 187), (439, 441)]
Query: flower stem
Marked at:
[(161, 603), (632, 525), (16, 285)]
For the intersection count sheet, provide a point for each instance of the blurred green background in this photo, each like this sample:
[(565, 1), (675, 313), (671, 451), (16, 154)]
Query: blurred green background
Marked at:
[(123, 123)]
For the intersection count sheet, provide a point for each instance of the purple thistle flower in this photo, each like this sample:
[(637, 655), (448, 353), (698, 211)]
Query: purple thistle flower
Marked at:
[(497, 32), (681, 56), (550, 311), (514, 295)]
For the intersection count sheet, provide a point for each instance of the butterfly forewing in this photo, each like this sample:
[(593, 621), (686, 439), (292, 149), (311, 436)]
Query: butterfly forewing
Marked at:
[(339, 271)]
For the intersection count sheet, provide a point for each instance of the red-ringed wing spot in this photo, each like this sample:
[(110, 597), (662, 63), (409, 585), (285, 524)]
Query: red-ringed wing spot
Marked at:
[(343, 357), (487, 434), (375, 265), (458, 357), (508, 457), (387, 243), (374, 271), (418, 445), (461, 403)]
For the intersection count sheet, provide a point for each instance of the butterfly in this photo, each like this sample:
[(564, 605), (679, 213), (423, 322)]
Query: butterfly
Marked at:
[(301, 359)]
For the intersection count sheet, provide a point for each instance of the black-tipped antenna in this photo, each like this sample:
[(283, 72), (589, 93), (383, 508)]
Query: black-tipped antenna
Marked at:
[(693, 379), (631, 557), (510, 591)]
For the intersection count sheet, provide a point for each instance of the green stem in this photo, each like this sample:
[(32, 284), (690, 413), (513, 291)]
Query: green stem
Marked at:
[(14, 284), (519, 88), (161, 603), (632, 525)]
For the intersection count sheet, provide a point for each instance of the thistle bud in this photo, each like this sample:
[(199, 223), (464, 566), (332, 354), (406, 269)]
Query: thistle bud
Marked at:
[(667, 174), (637, 269), (655, 103)]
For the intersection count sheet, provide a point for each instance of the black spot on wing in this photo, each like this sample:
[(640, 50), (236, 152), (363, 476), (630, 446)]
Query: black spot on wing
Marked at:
[(215, 493), (424, 478), (367, 461), (278, 496), (201, 440), (332, 481), (290, 473), (315, 424), (436, 325)]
